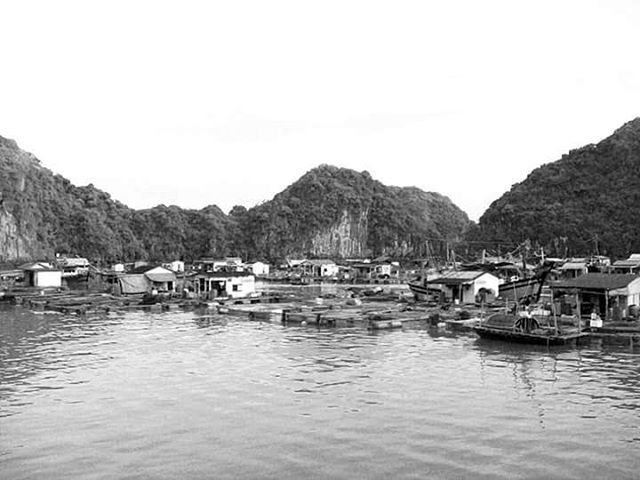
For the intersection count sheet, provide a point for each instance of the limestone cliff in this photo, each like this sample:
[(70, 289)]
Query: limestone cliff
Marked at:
[(347, 238), (13, 245)]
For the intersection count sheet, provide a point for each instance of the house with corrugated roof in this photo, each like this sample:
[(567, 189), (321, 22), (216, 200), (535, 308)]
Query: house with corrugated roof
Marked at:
[(630, 265), (611, 295), (41, 275), (318, 268), (222, 284), (466, 286), (573, 269)]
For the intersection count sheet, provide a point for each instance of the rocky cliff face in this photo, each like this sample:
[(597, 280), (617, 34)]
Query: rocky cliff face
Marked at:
[(347, 238), (13, 246)]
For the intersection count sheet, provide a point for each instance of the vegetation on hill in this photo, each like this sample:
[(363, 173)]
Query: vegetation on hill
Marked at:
[(388, 220), (328, 203), (584, 203)]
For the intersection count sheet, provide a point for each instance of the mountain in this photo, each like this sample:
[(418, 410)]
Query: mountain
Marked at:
[(42, 213), (337, 212), (328, 212), (586, 202)]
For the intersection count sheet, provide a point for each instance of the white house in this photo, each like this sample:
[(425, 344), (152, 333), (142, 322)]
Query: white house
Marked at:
[(211, 265), (73, 266), (466, 286), (319, 268), (224, 284), (176, 266), (41, 275), (259, 269)]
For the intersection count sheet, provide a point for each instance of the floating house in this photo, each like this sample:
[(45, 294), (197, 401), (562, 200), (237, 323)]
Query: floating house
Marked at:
[(259, 269), (223, 284), (573, 269), (73, 266), (176, 266), (211, 265), (630, 265), (318, 268), (144, 279), (610, 295), (466, 286), (41, 275), (372, 270)]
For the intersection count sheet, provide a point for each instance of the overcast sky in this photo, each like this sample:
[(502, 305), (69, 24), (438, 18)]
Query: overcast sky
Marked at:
[(197, 103)]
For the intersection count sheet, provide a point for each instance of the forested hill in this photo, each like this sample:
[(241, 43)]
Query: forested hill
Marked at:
[(338, 212), (586, 202), (43, 213), (328, 212)]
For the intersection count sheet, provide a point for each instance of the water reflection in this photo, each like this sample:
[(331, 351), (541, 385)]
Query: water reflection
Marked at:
[(181, 394)]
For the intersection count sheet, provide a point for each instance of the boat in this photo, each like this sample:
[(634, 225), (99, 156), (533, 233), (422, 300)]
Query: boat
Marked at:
[(524, 290), (422, 291), (526, 329)]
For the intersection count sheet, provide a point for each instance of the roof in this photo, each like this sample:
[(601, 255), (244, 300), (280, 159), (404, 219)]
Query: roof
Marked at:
[(73, 262), (161, 277), (133, 284), (221, 274), (38, 266), (574, 266), (598, 281), (458, 277), (319, 262), (626, 263)]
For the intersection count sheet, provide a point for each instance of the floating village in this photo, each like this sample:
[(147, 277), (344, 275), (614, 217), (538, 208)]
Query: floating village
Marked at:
[(548, 301)]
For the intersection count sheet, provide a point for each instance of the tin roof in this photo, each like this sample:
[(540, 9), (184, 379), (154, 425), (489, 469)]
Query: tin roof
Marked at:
[(629, 263), (574, 266), (598, 281), (457, 277)]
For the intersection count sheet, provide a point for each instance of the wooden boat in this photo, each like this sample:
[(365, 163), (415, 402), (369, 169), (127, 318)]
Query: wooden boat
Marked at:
[(524, 290), (422, 292), (523, 329)]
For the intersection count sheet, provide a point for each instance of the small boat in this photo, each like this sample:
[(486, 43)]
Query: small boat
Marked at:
[(526, 329)]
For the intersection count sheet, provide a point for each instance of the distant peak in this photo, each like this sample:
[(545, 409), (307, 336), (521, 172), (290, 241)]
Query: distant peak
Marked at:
[(8, 143), (629, 132)]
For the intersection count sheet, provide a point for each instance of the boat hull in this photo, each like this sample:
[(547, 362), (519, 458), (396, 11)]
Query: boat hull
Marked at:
[(423, 293), (530, 338), (520, 290)]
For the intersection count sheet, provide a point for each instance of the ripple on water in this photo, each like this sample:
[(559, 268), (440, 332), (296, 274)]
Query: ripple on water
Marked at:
[(190, 395)]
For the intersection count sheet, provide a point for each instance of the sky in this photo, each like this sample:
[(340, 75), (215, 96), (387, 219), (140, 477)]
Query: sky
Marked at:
[(227, 103)]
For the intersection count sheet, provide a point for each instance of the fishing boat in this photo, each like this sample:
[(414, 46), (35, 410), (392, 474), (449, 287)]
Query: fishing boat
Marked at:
[(527, 329), (422, 291), (524, 290)]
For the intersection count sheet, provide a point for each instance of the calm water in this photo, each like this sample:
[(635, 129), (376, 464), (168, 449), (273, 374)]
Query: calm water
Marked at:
[(188, 395)]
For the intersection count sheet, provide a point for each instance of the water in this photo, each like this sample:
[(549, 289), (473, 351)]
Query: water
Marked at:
[(188, 395)]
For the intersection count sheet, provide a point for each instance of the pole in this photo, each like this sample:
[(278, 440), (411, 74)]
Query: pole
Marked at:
[(579, 312)]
